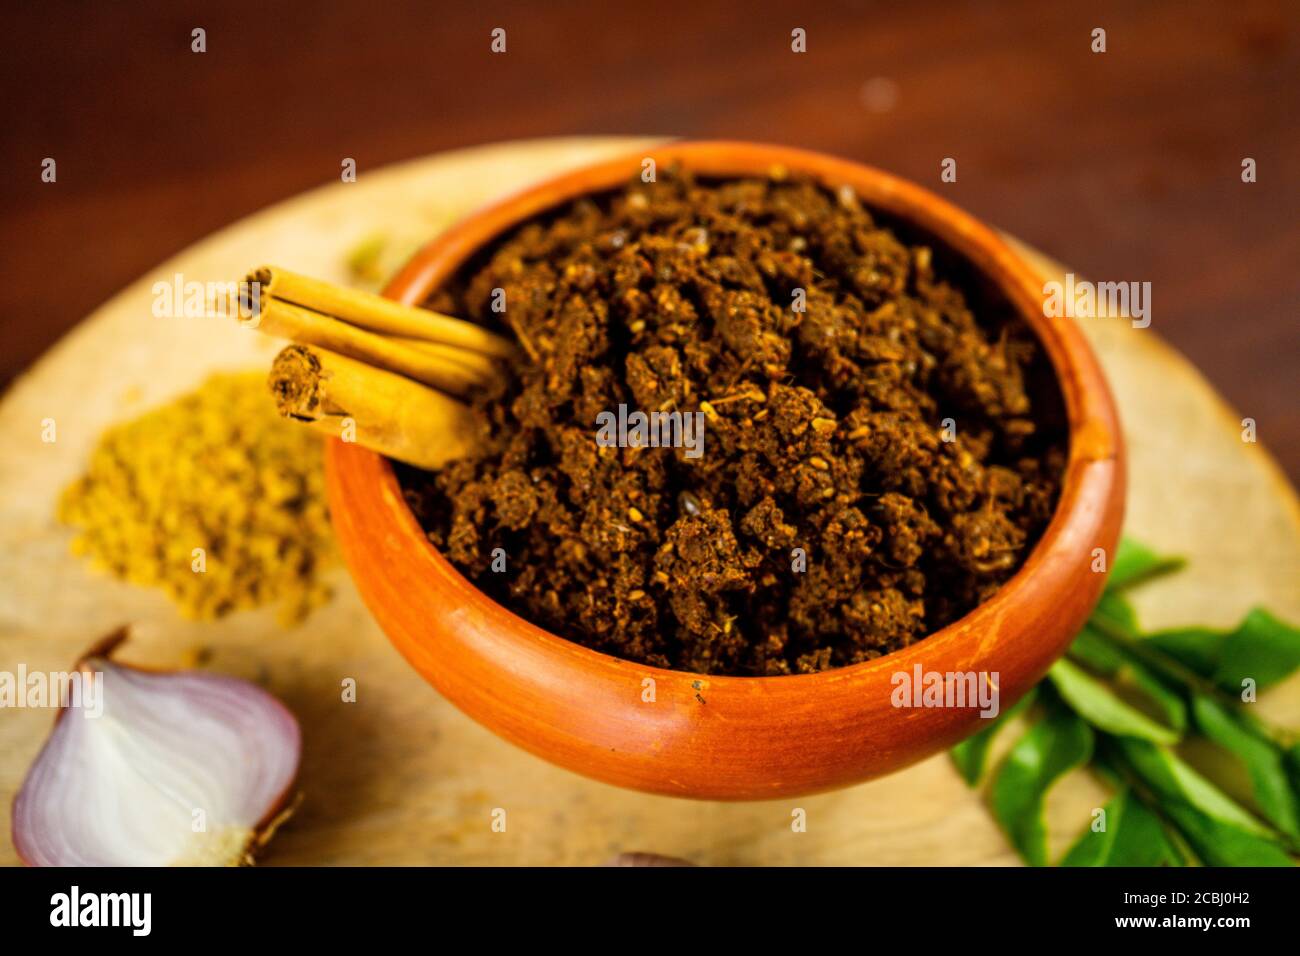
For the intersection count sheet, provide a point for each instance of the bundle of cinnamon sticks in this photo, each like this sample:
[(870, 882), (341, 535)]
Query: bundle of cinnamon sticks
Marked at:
[(367, 369)]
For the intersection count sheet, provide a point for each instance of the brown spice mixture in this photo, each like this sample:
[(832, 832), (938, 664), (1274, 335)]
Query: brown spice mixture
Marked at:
[(824, 432)]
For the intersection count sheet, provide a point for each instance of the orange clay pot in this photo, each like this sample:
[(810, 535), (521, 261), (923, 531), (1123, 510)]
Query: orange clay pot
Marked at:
[(733, 738)]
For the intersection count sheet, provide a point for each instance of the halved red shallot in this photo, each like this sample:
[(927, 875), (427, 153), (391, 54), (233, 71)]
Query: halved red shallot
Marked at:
[(181, 768)]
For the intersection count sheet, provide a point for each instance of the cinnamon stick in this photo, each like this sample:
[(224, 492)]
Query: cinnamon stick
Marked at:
[(440, 366), (380, 410), (373, 313)]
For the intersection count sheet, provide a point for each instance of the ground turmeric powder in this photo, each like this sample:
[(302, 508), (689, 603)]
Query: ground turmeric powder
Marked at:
[(211, 497)]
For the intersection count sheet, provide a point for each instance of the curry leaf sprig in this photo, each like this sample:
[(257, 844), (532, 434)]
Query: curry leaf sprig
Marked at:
[(1122, 703)]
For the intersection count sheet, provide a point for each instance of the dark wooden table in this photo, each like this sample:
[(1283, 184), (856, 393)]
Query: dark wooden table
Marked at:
[(1126, 165)]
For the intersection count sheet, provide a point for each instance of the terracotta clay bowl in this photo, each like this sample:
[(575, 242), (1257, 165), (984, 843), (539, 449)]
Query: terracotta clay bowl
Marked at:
[(734, 738)]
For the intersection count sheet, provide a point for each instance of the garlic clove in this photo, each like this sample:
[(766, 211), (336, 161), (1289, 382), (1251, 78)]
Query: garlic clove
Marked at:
[(180, 768)]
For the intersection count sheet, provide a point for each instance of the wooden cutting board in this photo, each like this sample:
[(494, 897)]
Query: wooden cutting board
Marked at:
[(400, 776)]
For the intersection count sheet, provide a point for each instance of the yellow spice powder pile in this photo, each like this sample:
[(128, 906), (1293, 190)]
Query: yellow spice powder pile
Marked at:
[(211, 497)]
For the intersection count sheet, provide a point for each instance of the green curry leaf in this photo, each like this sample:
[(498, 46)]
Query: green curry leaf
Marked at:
[(971, 754), (1095, 703), (1264, 761), (1132, 678), (1196, 648), (1175, 782), (1262, 648), (1135, 563), (1293, 766), (1130, 835), (1114, 610), (1050, 748), (1136, 692), (1218, 843)]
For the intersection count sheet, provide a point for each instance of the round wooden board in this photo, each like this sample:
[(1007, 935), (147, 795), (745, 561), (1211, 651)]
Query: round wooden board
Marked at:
[(400, 776)]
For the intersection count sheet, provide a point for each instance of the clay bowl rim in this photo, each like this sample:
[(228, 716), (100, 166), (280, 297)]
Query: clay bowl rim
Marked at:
[(1092, 420)]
